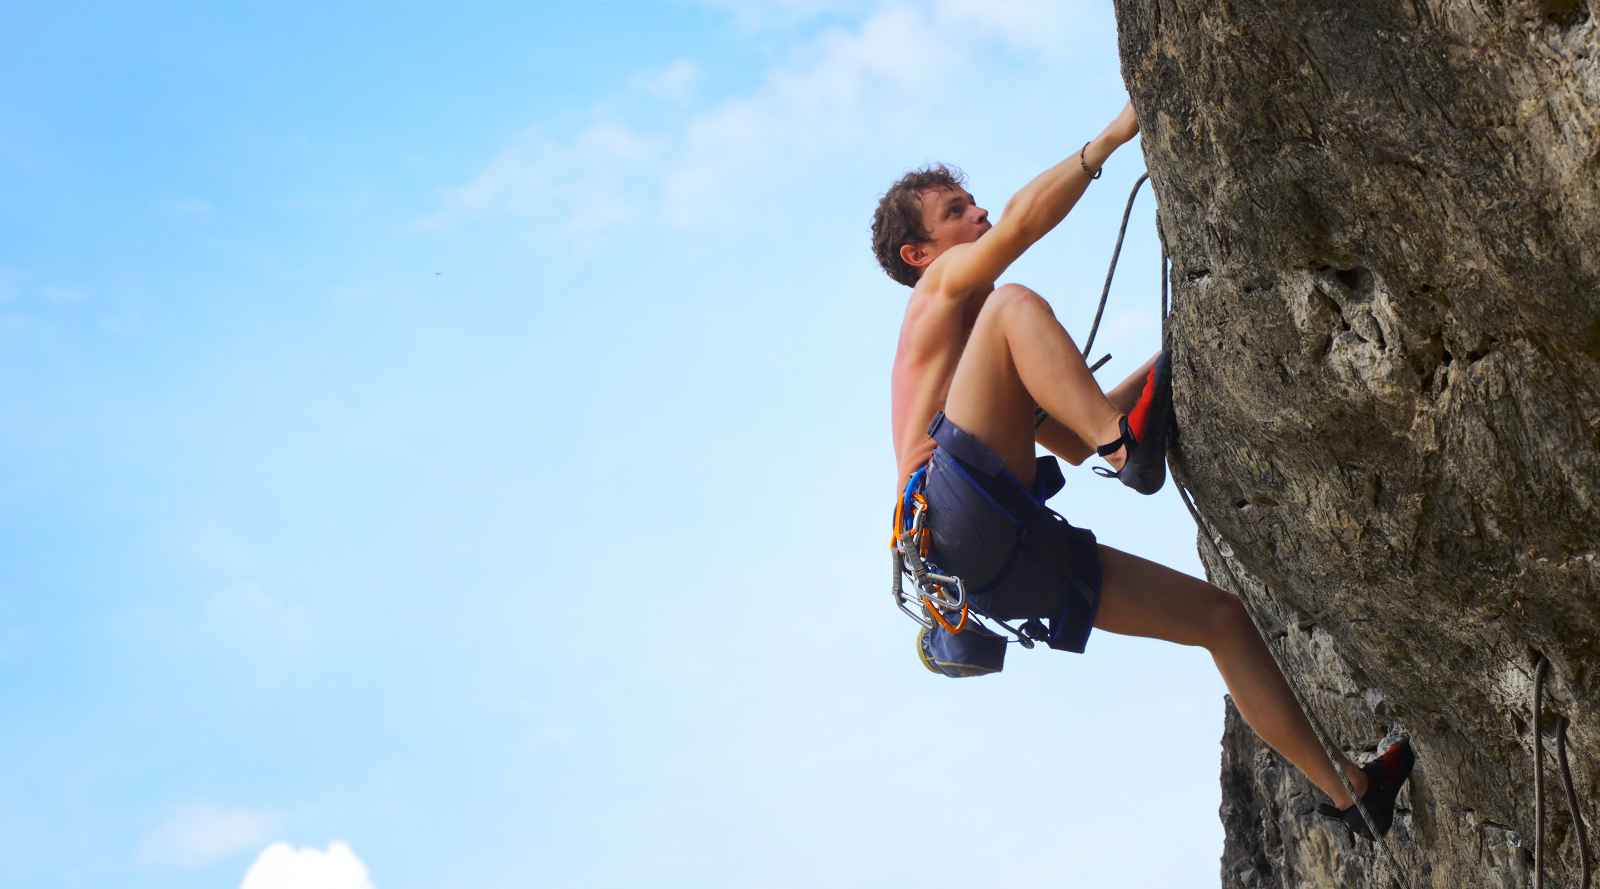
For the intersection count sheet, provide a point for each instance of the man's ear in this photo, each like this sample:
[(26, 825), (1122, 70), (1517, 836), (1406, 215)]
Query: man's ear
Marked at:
[(916, 255)]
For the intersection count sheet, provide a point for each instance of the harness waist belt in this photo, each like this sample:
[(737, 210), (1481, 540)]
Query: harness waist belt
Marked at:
[(1023, 500)]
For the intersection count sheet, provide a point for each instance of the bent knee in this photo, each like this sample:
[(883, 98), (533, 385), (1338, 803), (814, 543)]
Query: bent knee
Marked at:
[(1012, 297)]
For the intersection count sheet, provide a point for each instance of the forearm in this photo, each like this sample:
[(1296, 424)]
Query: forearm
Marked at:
[(1044, 202)]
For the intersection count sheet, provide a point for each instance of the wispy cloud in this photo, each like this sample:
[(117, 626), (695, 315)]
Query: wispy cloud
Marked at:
[(199, 835), (1040, 27), (281, 866), (765, 14), (251, 614), (584, 184), (676, 82), (876, 82)]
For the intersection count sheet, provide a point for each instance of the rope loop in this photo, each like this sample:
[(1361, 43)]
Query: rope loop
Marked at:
[(1539, 671)]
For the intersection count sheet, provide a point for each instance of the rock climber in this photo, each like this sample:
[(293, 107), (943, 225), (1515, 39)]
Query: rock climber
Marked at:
[(981, 375)]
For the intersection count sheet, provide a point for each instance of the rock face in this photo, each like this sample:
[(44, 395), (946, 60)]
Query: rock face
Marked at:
[(1384, 220)]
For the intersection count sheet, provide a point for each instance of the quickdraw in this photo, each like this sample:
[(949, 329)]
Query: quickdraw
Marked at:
[(908, 542)]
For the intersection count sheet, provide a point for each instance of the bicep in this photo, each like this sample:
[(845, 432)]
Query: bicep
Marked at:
[(977, 265)]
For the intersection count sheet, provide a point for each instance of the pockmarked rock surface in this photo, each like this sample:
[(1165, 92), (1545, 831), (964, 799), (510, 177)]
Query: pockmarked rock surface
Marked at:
[(1384, 223)]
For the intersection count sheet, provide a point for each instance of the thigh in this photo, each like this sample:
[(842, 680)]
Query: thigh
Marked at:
[(987, 397), (1139, 597)]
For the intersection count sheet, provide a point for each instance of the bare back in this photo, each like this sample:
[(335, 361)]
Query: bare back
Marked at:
[(932, 337)]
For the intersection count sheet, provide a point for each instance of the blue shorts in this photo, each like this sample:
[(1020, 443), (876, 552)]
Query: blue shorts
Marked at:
[(1017, 558)]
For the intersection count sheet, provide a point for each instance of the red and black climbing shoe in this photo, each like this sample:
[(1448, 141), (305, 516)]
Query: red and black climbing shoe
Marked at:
[(1144, 433), (1384, 777)]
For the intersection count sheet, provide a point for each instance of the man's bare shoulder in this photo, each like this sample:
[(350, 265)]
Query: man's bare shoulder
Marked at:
[(934, 302), (937, 281)]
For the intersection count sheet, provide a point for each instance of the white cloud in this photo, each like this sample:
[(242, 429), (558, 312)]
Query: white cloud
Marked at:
[(585, 184), (676, 82), (255, 618), (874, 85), (281, 866), (1042, 27), (196, 836), (764, 14), (873, 80)]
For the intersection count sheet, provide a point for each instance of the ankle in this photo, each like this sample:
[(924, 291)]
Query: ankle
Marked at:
[(1109, 433), (1359, 783)]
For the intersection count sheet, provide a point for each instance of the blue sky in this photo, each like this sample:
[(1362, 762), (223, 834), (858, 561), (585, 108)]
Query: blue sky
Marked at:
[(450, 449)]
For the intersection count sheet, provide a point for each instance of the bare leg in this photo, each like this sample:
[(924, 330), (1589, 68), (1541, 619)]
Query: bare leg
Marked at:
[(1018, 356), (1066, 444), (1142, 598)]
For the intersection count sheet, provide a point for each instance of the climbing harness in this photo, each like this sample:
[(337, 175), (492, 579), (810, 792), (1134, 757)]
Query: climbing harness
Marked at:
[(1566, 779), (956, 639)]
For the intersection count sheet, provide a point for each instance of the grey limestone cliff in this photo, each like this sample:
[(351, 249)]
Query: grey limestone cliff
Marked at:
[(1384, 223)]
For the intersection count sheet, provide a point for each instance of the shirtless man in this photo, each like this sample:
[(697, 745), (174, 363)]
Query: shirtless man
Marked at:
[(994, 374)]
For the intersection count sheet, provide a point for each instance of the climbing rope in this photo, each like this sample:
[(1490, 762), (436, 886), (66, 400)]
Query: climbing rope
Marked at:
[(1316, 726), (1183, 492), (1572, 804), (1538, 772), (1213, 541), (1538, 782), (1111, 271)]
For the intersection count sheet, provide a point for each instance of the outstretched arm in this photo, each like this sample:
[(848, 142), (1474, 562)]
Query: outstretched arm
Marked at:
[(1030, 214)]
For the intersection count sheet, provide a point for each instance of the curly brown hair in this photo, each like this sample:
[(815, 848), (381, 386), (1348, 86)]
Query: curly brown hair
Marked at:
[(898, 219)]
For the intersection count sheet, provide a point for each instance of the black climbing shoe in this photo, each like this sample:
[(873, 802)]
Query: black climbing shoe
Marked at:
[(1384, 777), (1144, 432)]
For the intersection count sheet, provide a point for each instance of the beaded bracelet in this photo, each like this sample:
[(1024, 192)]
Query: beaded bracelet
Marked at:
[(1083, 161)]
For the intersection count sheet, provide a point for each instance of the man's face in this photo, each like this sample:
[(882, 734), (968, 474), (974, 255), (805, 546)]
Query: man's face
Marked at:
[(952, 216)]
